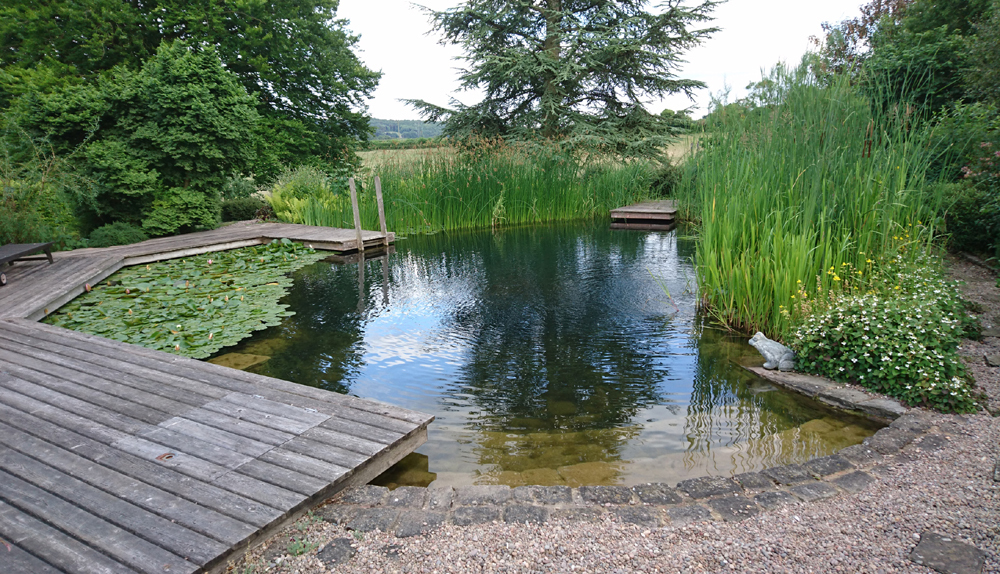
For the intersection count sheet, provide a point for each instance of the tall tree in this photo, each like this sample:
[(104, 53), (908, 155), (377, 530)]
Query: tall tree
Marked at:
[(294, 55), (576, 71)]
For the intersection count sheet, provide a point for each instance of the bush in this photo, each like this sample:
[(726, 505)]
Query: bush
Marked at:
[(973, 221), (666, 180), (304, 181), (117, 233), (238, 188), (241, 209), (901, 342)]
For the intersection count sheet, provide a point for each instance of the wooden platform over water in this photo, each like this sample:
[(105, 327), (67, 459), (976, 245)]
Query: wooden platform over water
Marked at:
[(115, 458), (52, 286), (657, 215)]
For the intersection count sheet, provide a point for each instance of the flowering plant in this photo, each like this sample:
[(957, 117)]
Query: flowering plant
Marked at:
[(900, 340)]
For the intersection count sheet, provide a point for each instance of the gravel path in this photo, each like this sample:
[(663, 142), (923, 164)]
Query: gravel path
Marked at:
[(950, 490)]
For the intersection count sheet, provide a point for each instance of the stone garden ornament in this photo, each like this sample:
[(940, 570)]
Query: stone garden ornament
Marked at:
[(776, 355)]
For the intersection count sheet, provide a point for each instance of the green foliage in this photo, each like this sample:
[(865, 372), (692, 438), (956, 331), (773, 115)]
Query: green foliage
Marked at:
[(666, 180), (921, 69), (900, 340), (300, 546), (186, 119), (238, 188), (34, 204), (419, 143), (405, 129), (569, 70), (970, 137), (117, 233), (492, 185), (241, 209), (296, 56), (192, 307), (982, 71), (814, 179), (308, 181)]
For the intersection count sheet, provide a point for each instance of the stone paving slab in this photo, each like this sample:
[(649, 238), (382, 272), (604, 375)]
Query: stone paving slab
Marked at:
[(755, 481), (734, 508), (834, 394), (706, 486), (789, 474), (948, 556), (827, 465), (774, 499), (854, 482)]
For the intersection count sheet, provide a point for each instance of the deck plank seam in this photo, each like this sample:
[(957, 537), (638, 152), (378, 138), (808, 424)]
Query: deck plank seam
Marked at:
[(130, 379), (166, 470), (30, 511), (152, 509)]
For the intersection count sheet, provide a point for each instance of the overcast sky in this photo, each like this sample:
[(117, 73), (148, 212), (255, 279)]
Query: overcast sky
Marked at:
[(755, 35)]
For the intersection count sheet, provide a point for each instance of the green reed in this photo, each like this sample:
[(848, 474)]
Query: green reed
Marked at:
[(492, 185), (803, 196)]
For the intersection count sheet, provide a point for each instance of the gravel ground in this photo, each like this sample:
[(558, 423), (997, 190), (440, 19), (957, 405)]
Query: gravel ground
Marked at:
[(950, 491)]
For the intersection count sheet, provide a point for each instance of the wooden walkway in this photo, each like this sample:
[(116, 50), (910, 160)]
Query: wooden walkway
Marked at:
[(59, 283), (115, 458), (650, 215)]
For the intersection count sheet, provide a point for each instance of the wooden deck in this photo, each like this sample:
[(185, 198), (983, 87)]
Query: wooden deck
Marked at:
[(645, 214), (59, 283), (116, 458)]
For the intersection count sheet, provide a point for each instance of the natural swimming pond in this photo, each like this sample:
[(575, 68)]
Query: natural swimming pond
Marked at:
[(563, 354)]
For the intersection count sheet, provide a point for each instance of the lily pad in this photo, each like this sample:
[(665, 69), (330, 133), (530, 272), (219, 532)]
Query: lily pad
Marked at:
[(193, 306)]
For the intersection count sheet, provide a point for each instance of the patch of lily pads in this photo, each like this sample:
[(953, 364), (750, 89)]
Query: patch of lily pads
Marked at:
[(192, 306)]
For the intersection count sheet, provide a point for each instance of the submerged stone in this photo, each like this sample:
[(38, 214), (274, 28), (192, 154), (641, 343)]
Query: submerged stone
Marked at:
[(239, 361)]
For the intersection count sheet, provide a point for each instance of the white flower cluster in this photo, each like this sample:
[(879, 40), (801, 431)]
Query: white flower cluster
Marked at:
[(902, 344)]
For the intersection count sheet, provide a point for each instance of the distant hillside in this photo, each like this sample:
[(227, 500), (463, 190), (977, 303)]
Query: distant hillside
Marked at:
[(404, 129)]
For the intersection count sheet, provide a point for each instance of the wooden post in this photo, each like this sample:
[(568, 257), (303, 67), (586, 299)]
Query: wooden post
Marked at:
[(381, 210), (357, 217)]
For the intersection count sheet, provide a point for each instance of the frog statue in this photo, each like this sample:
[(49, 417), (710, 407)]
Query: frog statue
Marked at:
[(776, 355)]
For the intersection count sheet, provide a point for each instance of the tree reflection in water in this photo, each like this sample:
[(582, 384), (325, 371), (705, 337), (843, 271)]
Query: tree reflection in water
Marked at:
[(549, 355)]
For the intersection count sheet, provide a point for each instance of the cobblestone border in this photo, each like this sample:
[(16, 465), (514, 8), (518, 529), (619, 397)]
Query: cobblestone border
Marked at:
[(409, 511)]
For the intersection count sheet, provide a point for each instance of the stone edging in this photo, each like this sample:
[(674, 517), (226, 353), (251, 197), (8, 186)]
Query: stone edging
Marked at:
[(409, 511), (837, 395)]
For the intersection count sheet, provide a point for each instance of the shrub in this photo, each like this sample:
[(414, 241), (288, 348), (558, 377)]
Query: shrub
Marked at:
[(117, 233), (901, 341), (666, 180), (238, 188), (241, 209), (973, 220)]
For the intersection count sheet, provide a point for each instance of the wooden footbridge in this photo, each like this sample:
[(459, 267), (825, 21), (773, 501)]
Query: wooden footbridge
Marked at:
[(115, 458), (653, 215)]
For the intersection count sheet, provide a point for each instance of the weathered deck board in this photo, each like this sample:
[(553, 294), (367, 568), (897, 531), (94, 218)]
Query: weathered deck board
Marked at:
[(663, 210), (116, 458)]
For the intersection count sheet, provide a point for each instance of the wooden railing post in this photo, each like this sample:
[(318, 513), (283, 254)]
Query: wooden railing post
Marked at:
[(381, 210), (357, 216)]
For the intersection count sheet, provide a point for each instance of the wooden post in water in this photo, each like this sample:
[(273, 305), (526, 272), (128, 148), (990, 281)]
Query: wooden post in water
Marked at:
[(381, 210), (357, 217)]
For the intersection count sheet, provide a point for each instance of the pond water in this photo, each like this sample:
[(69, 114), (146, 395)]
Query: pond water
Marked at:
[(565, 354)]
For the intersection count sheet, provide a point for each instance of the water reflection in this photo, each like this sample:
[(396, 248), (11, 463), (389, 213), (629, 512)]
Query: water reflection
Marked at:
[(549, 355)]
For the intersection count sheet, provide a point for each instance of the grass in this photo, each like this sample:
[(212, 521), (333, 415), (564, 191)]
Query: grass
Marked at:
[(494, 185), (809, 194)]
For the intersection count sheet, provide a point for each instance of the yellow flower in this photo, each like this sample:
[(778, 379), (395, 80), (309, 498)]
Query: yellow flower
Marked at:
[(836, 278)]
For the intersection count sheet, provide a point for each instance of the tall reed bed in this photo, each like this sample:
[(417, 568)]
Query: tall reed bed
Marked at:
[(808, 192), (491, 185)]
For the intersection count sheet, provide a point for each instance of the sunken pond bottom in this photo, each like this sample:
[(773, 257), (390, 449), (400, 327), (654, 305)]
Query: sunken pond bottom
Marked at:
[(566, 354)]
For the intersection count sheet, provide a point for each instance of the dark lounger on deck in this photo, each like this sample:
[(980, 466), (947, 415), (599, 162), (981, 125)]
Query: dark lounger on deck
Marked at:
[(19, 252)]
